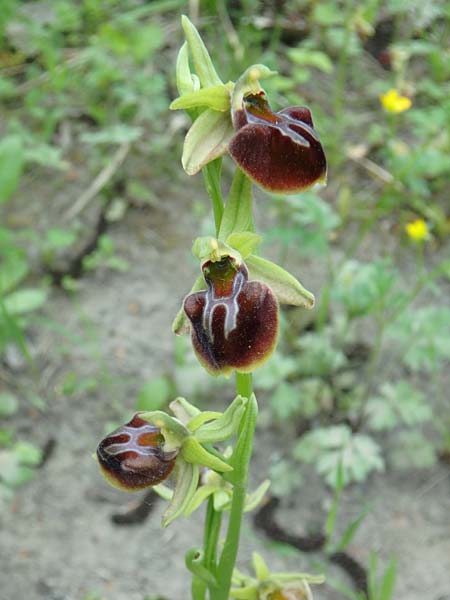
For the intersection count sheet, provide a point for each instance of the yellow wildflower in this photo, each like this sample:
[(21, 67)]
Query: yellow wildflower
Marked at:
[(417, 230), (393, 102)]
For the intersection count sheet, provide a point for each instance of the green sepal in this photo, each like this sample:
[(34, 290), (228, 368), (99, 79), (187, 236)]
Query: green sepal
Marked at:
[(200, 56), (187, 476), (237, 216), (206, 140), (244, 242), (216, 97), (163, 491), (248, 83), (193, 452), (187, 83), (180, 324), (253, 499), (194, 560), (184, 410), (202, 418), (173, 431), (285, 286), (260, 567), (225, 426), (201, 494)]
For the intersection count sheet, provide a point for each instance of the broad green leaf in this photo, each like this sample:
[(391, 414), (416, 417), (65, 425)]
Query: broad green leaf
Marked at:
[(216, 97), (24, 300), (286, 288), (28, 454), (11, 165), (204, 67), (206, 140), (238, 216)]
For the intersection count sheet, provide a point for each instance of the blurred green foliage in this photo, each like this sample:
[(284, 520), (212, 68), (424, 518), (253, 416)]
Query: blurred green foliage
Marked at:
[(80, 79)]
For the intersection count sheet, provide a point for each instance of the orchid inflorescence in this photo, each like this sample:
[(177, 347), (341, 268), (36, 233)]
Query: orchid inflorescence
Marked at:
[(231, 314)]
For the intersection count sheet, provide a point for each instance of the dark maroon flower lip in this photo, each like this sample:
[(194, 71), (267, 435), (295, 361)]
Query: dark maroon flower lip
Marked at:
[(234, 323), (132, 456), (280, 151)]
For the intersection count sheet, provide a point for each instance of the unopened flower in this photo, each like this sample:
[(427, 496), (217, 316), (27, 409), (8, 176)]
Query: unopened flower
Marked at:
[(280, 151), (234, 322), (133, 458), (394, 102), (417, 230)]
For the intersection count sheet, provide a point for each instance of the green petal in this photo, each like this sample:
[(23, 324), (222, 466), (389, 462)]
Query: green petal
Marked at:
[(216, 97)]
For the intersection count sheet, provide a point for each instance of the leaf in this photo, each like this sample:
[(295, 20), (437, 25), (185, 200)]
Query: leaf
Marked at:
[(388, 582), (216, 97), (11, 165), (286, 288), (206, 140), (28, 454), (200, 56), (351, 530), (330, 446), (237, 216), (25, 300), (154, 394), (398, 403)]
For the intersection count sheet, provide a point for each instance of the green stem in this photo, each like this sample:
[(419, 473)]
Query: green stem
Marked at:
[(240, 461), (214, 520), (211, 175)]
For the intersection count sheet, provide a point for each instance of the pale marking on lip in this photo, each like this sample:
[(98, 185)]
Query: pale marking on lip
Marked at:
[(284, 126), (132, 444), (228, 302)]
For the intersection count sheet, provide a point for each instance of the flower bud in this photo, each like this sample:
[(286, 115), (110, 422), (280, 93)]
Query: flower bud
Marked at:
[(234, 323), (280, 151), (132, 457)]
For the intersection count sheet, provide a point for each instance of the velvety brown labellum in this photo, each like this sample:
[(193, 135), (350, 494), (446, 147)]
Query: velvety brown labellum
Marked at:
[(132, 458), (234, 322), (280, 151)]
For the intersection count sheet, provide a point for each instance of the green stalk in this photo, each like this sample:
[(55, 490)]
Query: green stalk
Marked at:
[(240, 461), (211, 175), (214, 520)]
